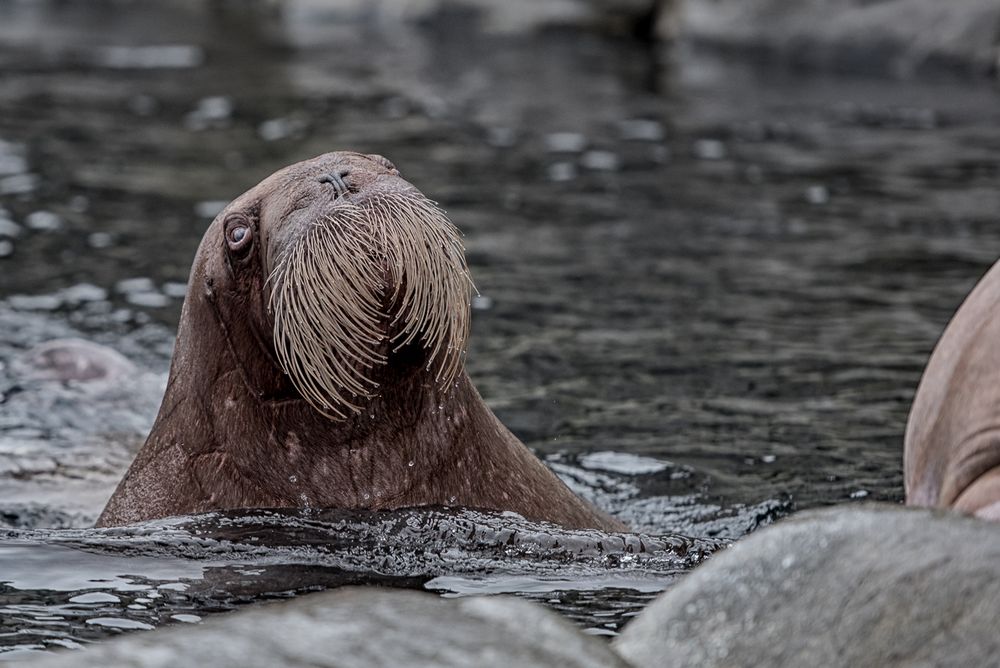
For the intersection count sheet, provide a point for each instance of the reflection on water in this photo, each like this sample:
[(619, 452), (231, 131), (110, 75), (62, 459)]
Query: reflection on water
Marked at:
[(707, 291)]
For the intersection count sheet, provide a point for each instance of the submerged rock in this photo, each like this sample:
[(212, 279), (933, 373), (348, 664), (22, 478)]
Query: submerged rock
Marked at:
[(74, 360), (851, 586), (362, 627)]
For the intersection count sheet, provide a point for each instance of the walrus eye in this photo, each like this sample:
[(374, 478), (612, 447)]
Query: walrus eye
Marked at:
[(238, 234)]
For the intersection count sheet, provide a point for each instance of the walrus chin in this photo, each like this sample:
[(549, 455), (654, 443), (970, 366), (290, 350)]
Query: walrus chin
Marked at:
[(319, 362)]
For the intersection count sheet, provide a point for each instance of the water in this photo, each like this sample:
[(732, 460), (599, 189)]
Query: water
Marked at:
[(707, 290), (63, 588)]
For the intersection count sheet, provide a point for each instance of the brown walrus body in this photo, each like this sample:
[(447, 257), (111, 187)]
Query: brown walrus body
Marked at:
[(952, 449), (318, 363)]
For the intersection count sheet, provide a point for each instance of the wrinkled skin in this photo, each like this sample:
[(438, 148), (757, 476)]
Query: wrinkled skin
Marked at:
[(233, 432), (952, 450)]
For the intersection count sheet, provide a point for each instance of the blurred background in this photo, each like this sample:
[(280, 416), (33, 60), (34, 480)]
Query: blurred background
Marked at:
[(714, 240)]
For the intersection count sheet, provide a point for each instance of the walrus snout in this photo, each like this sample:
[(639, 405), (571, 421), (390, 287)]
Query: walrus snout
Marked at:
[(346, 174), (339, 178), (358, 277)]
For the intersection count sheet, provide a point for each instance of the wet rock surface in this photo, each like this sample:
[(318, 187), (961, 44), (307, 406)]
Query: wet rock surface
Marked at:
[(364, 627), (72, 414), (866, 586)]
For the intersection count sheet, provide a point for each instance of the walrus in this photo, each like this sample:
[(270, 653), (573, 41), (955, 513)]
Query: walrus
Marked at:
[(319, 363), (952, 444)]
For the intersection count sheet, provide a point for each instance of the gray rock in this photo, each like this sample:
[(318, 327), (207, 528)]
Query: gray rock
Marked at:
[(83, 292), (565, 142), (44, 221), (604, 161), (852, 586), (8, 228), (172, 56), (361, 627), (18, 184), (890, 35), (641, 129)]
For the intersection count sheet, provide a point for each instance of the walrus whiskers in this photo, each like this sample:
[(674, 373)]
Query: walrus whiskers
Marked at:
[(334, 292)]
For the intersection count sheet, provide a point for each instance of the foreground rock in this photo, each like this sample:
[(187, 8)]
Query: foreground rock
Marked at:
[(863, 586), (362, 627), (897, 36)]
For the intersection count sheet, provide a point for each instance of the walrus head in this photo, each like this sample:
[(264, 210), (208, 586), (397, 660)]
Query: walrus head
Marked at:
[(333, 266), (319, 363)]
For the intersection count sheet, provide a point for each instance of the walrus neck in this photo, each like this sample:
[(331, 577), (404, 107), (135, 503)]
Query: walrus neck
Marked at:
[(232, 432), (254, 383), (282, 452)]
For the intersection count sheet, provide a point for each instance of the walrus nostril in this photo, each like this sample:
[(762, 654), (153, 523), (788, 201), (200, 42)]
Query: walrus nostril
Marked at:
[(338, 179)]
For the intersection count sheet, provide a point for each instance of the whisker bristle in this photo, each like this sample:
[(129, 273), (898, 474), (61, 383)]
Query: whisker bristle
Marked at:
[(329, 290)]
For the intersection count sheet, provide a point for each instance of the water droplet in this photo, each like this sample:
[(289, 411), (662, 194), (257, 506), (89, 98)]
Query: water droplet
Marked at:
[(367, 496), (293, 479), (410, 463)]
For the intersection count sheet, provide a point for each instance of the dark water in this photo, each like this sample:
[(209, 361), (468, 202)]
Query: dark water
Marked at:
[(59, 592), (707, 290)]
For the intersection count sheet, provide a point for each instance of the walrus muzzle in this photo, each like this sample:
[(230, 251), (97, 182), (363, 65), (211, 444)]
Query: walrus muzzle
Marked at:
[(365, 280)]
